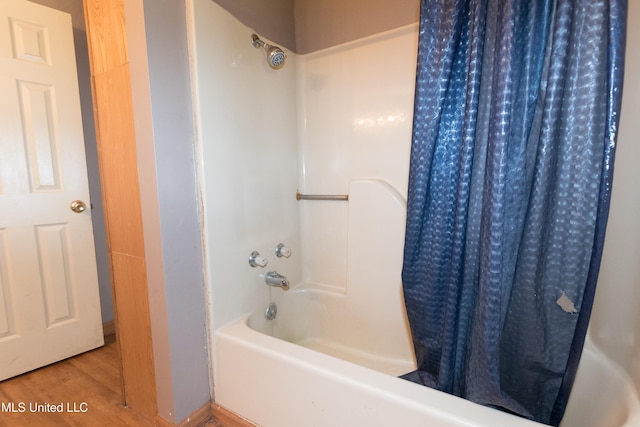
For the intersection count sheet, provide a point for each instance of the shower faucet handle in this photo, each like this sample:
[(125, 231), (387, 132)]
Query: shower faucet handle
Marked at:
[(257, 260), (282, 251)]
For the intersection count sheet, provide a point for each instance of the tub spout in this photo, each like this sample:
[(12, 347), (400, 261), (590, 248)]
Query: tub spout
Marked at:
[(276, 280)]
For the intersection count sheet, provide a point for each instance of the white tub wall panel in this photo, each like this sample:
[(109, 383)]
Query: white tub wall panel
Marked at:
[(369, 321), (603, 394), (377, 215), (323, 225), (323, 236), (327, 97), (358, 101), (332, 323), (355, 118), (303, 314), (615, 323), (289, 267), (628, 201), (249, 162), (382, 118)]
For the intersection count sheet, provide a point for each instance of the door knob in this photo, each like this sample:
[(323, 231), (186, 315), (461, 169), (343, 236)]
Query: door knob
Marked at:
[(78, 206)]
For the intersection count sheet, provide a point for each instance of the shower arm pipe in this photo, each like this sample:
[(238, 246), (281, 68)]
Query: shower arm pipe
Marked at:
[(257, 43), (337, 197)]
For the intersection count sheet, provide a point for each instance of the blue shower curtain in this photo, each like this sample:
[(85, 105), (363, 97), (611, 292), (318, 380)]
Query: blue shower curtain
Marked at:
[(516, 114)]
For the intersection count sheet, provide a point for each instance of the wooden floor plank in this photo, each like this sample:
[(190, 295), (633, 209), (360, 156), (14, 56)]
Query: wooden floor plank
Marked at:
[(86, 388)]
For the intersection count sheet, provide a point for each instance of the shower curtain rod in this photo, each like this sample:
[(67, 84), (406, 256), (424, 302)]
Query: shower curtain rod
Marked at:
[(340, 197)]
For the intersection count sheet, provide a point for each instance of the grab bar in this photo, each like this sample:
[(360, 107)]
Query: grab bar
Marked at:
[(340, 197)]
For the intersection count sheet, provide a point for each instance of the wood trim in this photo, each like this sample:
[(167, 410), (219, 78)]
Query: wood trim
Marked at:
[(223, 417), (116, 142), (134, 334), (105, 26), (109, 328), (197, 419)]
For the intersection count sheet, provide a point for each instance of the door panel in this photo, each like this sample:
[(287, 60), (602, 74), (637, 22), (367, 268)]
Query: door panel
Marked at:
[(49, 303)]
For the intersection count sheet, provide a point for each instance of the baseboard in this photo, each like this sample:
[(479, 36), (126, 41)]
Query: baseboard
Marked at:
[(109, 328), (198, 418), (225, 418)]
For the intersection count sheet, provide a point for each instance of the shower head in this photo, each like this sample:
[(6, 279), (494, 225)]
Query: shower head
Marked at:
[(275, 55)]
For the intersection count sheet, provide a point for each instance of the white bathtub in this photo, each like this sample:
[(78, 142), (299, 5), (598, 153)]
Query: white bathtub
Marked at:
[(332, 356), (276, 383)]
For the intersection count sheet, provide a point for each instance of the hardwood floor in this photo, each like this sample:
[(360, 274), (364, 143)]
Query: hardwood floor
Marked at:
[(85, 387)]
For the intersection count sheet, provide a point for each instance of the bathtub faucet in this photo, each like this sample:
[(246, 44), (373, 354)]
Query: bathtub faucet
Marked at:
[(276, 280)]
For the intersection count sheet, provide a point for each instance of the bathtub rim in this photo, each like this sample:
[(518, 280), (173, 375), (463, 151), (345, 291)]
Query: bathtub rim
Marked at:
[(441, 405)]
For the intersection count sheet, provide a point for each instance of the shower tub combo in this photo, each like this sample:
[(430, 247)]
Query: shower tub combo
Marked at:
[(332, 355), (332, 358)]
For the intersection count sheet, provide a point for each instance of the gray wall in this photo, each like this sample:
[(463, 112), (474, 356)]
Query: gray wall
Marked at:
[(305, 26), (326, 23), (271, 19), (178, 203)]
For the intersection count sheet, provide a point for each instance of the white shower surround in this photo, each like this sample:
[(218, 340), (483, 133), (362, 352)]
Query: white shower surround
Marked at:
[(325, 122)]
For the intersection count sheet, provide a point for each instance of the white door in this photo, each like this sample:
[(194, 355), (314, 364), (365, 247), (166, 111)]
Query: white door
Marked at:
[(49, 302)]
